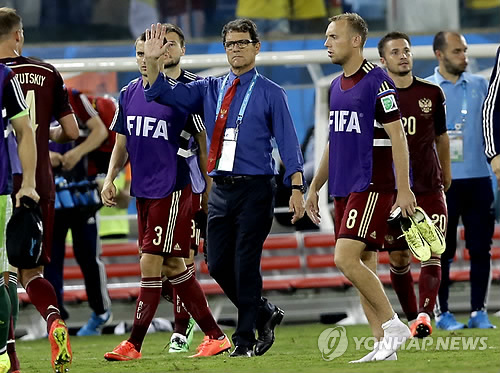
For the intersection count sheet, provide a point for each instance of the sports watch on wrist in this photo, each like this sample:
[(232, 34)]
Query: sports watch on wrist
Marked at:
[(301, 188)]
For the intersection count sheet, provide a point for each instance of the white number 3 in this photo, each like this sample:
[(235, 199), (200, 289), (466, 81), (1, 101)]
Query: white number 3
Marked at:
[(158, 231)]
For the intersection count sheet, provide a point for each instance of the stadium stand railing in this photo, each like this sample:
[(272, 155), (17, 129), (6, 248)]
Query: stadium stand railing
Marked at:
[(290, 262)]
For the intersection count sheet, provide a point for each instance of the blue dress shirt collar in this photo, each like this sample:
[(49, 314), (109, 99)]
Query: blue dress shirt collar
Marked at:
[(244, 78)]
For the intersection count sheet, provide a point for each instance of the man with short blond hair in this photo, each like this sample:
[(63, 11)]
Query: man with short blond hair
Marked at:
[(366, 139)]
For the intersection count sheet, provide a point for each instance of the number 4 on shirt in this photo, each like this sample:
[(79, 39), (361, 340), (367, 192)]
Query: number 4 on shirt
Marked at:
[(30, 101)]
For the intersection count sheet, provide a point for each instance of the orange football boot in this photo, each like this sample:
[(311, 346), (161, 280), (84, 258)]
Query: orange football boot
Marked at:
[(421, 328), (211, 347), (59, 344), (125, 351)]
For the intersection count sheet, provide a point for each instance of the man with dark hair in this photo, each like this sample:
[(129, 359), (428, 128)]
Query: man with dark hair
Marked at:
[(366, 137), (170, 28), (470, 196), (394, 35), (243, 112), (423, 112), (439, 42), (47, 98), (149, 135)]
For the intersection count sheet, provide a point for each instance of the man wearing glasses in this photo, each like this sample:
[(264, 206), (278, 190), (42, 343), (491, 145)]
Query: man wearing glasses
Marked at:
[(243, 112)]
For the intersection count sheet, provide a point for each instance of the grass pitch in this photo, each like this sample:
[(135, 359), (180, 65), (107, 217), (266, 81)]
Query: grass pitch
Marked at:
[(295, 350)]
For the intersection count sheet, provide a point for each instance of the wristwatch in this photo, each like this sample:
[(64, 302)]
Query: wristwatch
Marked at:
[(302, 188)]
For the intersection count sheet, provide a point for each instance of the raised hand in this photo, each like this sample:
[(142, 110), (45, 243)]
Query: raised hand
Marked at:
[(155, 45)]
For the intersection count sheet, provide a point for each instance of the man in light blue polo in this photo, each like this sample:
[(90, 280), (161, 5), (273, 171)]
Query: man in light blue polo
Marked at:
[(470, 196)]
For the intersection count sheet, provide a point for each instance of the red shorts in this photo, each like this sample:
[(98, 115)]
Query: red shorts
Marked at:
[(164, 225), (434, 205), (195, 230), (48, 213), (363, 217)]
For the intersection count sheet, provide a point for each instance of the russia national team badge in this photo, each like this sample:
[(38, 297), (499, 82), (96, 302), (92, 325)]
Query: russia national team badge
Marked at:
[(425, 105), (389, 103)]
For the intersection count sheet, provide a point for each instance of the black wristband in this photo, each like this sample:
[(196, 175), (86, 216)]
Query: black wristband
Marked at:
[(302, 188)]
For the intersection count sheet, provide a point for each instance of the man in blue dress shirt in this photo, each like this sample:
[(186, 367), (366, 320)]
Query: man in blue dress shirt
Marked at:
[(240, 207), (470, 196)]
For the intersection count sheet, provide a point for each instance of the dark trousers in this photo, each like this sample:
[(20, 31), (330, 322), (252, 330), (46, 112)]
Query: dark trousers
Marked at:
[(470, 199), (87, 249), (239, 219)]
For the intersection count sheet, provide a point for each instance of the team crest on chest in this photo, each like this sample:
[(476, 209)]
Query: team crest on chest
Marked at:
[(425, 105)]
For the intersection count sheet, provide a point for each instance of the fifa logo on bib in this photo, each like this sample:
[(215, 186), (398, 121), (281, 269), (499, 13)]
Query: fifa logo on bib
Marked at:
[(344, 121), (147, 127)]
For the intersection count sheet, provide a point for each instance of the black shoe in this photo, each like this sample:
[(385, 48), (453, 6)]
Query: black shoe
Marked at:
[(242, 351), (266, 334)]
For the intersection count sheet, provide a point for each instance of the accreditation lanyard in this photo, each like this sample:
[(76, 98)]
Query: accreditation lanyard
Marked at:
[(228, 154), (244, 104), (463, 111), (456, 135)]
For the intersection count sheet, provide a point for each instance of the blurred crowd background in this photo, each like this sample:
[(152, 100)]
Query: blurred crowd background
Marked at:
[(103, 20)]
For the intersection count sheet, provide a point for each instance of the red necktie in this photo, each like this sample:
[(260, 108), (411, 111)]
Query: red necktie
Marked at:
[(220, 123)]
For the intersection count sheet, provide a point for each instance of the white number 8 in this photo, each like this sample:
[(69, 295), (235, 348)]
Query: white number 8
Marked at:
[(351, 218)]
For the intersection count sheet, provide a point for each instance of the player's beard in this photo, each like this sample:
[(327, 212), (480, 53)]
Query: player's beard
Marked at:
[(396, 70), (452, 68), (172, 64)]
